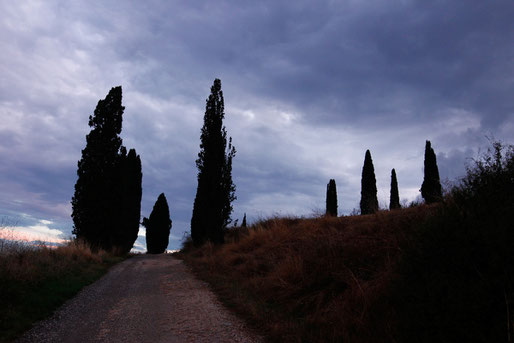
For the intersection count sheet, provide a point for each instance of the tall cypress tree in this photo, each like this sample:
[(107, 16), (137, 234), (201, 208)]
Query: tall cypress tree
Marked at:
[(158, 226), (107, 199), (369, 201), (94, 202), (431, 188), (331, 208), (394, 200), (216, 191), (130, 192)]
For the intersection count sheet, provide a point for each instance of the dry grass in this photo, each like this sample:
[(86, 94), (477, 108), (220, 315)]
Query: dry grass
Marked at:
[(35, 280), (315, 280), (440, 273), (28, 263)]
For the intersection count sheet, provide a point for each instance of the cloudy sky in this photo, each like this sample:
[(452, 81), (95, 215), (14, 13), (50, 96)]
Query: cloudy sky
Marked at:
[(308, 86)]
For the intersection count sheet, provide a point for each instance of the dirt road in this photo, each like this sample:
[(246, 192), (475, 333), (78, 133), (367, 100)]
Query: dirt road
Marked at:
[(147, 298)]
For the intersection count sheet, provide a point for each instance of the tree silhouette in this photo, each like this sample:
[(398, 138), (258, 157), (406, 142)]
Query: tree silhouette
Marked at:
[(92, 204), (107, 199), (369, 201), (216, 191), (243, 224), (158, 226), (431, 188), (394, 200), (130, 191), (331, 200)]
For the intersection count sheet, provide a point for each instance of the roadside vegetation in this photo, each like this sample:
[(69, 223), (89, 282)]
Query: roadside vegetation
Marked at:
[(36, 280), (442, 272)]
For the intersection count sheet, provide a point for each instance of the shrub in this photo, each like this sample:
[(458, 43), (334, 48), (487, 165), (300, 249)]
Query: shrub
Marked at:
[(457, 280)]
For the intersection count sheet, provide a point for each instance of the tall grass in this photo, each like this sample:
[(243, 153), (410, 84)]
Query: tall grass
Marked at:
[(438, 273), (35, 280), (313, 280)]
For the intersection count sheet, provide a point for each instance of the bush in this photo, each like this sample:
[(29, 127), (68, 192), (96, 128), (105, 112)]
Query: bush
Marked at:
[(457, 281)]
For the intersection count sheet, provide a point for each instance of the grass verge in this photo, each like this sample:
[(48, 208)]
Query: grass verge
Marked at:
[(34, 281)]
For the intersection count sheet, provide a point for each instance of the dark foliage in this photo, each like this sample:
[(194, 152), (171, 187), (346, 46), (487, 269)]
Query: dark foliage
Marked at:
[(93, 213), (216, 191), (243, 224), (431, 188), (331, 199), (158, 227), (130, 192), (107, 199), (369, 201), (457, 282), (394, 200)]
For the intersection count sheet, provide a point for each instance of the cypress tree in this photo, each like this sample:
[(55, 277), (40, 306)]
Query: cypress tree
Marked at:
[(369, 201), (130, 199), (216, 191), (431, 188), (331, 200), (106, 204), (243, 224), (394, 200), (158, 227), (94, 203)]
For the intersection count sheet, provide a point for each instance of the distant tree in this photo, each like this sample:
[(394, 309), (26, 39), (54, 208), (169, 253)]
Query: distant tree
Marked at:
[(394, 200), (369, 201), (216, 191), (243, 224), (431, 188), (158, 227), (331, 200), (107, 199)]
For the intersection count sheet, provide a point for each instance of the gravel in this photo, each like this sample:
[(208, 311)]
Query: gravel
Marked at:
[(147, 298)]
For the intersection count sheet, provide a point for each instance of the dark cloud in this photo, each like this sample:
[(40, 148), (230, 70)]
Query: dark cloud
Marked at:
[(309, 86)]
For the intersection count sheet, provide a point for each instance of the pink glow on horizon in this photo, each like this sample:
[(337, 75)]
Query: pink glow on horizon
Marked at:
[(23, 234)]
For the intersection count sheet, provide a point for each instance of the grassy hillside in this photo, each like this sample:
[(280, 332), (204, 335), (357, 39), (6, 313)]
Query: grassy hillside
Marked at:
[(34, 281), (440, 273)]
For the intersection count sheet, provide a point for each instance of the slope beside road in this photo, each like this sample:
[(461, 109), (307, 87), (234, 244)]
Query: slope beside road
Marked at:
[(147, 298)]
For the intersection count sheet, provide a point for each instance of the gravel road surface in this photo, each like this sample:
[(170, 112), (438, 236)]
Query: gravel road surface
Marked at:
[(147, 298)]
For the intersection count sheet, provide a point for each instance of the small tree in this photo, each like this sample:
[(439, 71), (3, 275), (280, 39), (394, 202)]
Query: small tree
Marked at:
[(158, 227), (216, 191), (243, 224), (331, 209), (431, 188), (369, 201), (394, 200)]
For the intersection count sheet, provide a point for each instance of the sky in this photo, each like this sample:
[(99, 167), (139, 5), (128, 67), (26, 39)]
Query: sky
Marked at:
[(309, 86)]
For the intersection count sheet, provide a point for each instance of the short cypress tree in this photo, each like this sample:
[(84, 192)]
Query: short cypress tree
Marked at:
[(216, 191), (369, 201), (243, 224), (394, 200), (331, 208), (158, 227), (431, 188)]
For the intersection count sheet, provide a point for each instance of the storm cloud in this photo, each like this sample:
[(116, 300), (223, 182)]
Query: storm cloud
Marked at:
[(308, 85)]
